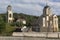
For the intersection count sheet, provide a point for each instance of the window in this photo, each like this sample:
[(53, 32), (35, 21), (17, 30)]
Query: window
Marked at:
[(47, 18), (43, 21), (9, 15), (51, 22), (9, 21), (55, 21)]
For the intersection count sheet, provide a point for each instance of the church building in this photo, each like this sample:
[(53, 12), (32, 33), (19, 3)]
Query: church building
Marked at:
[(47, 22)]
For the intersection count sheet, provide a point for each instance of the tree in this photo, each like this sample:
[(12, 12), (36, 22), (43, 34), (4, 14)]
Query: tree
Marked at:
[(19, 24), (2, 25), (5, 28), (9, 29)]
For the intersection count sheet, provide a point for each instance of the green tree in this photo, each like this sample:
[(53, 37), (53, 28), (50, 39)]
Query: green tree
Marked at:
[(19, 24), (5, 28), (2, 25), (9, 29)]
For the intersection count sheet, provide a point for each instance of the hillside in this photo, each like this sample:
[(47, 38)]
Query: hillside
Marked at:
[(29, 18), (7, 29)]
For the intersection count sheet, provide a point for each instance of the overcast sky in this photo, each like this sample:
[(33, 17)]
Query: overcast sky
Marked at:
[(31, 7)]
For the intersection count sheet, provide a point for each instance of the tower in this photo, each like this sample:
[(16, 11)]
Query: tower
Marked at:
[(47, 11), (45, 19), (9, 14)]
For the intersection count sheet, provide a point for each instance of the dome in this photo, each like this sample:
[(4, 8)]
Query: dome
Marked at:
[(46, 10), (9, 5), (47, 6)]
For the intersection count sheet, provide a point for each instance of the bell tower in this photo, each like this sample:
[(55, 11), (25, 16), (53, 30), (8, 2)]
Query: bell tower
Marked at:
[(9, 14)]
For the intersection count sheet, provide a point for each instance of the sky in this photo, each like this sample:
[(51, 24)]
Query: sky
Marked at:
[(31, 7)]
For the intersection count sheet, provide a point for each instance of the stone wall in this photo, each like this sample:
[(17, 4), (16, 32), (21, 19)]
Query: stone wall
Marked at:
[(38, 34), (26, 38), (32, 36)]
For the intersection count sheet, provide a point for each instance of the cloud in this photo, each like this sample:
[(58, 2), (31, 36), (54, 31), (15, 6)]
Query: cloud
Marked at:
[(32, 7), (28, 8), (55, 7), (55, 0)]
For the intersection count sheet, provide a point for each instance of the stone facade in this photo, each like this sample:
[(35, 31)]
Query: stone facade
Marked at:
[(47, 22)]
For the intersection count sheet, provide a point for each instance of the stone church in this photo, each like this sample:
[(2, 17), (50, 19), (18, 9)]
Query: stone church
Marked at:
[(47, 22)]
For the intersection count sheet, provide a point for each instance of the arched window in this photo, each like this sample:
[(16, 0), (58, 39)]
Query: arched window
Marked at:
[(43, 21), (47, 18), (9, 15)]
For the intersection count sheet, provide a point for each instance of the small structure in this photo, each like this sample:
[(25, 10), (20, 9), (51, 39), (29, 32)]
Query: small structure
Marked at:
[(47, 22)]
